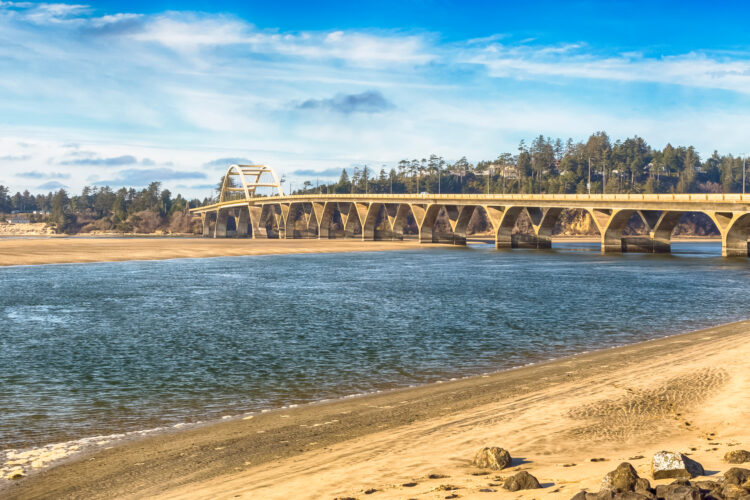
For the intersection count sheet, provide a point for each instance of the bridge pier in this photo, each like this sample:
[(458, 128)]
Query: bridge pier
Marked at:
[(242, 221), (220, 230), (735, 229), (206, 222)]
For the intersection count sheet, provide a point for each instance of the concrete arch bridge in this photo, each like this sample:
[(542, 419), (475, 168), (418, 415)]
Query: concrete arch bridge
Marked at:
[(433, 218)]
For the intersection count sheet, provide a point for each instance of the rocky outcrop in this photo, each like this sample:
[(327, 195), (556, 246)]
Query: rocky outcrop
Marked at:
[(521, 481), (737, 456), (492, 458), (668, 464), (624, 484), (737, 475)]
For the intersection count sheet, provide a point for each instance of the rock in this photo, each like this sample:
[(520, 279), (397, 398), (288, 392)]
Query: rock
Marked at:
[(707, 485), (492, 458), (623, 478), (679, 490), (667, 464), (737, 457), (642, 484), (521, 481), (733, 492), (736, 475), (581, 495), (633, 495)]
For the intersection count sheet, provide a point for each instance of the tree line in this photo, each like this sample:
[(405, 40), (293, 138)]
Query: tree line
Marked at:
[(554, 166), (100, 208)]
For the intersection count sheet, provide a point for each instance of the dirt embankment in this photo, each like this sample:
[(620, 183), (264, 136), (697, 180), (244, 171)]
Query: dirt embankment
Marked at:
[(26, 229)]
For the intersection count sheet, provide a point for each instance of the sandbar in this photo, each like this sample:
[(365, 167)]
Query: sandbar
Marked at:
[(67, 250)]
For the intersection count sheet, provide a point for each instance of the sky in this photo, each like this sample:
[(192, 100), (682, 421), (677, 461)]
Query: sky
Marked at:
[(126, 93)]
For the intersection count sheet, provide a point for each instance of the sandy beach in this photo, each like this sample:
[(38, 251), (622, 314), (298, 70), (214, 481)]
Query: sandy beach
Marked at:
[(31, 251), (687, 393)]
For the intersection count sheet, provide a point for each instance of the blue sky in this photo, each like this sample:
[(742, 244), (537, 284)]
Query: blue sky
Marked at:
[(123, 93)]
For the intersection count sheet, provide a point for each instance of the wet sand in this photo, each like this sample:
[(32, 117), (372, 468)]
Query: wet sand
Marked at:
[(31, 251), (688, 393)]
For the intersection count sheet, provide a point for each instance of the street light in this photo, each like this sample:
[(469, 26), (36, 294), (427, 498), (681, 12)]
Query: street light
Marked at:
[(588, 185)]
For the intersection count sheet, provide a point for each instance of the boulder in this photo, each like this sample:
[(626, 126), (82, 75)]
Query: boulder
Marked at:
[(737, 457), (682, 492), (707, 485), (667, 464), (733, 492), (679, 489), (642, 484), (736, 475), (623, 478), (492, 458), (611, 495), (521, 481)]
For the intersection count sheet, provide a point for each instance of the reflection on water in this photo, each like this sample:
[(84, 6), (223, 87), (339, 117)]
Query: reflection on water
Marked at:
[(100, 348)]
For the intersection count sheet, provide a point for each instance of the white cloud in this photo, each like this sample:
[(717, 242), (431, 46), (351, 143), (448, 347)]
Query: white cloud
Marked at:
[(182, 89), (694, 69)]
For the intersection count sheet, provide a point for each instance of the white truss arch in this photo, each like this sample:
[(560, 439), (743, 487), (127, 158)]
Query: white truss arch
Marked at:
[(250, 179)]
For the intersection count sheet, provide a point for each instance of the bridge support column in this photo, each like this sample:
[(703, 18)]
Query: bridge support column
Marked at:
[(370, 222), (508, 217), (206, 220), (734, 228), (543, 222), (242, 222), (660, 229), (220, 230), (462, 224), (258, 228)]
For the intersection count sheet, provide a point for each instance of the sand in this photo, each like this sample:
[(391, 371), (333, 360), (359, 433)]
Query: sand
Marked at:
[(30, 251), (77, 249), (688, 393)]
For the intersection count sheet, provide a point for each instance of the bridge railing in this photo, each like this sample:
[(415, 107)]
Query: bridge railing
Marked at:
[(431, 197), (541, 197)]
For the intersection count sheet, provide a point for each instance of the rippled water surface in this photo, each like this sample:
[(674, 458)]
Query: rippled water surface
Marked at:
[(99, 348)]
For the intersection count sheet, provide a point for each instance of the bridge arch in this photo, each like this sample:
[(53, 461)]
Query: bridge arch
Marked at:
[(735, 242), (439, 223), (351, 220), (330, 217), (505, 225), (250, 177), (404, 222), (462, 223)]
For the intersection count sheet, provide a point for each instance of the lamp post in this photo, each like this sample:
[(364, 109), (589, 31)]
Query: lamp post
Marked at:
[(588, 185)]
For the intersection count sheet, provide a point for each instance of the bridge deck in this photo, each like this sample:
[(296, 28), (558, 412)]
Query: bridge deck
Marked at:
[(445, 217)]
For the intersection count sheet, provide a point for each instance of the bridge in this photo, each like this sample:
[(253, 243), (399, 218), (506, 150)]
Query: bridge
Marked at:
[(444, 218)]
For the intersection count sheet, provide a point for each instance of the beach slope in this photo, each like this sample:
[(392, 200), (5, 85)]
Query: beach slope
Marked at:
[(567, 422)]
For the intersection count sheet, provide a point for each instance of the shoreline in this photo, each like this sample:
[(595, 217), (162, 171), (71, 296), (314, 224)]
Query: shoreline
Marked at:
[(275, 437), (28, 251), (74, 250)]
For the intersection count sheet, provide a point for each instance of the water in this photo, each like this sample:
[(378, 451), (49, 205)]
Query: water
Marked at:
[(99, 348)]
